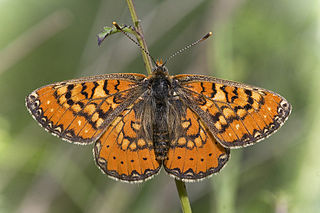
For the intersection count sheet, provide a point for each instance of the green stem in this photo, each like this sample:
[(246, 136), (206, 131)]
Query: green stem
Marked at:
[(183, 195), (181, 187), (140, 37)]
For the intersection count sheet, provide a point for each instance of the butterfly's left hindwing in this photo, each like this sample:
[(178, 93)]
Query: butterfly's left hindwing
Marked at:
[(236, 114), (79, 110), (125, 152)]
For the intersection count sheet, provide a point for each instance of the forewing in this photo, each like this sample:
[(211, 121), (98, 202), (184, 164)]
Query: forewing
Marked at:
[(236, 114), (194, 153), (124, 152), (79, 110)]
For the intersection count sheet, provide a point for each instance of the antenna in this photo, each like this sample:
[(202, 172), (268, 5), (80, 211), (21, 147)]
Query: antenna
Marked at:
[(188, 46), (134, 41)]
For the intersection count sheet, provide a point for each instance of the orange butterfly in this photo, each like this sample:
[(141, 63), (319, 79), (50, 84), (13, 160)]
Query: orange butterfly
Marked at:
[(188, 123)]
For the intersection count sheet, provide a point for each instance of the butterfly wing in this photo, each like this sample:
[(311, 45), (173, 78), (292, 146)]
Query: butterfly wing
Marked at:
[(193, 153), (125, 152), (236, 114), (79, 110)]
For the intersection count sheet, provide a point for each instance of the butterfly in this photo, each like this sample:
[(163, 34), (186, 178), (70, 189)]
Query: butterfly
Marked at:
[(138, 123)]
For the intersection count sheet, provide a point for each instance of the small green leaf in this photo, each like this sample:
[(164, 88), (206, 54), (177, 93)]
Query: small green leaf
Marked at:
[(107, 31)]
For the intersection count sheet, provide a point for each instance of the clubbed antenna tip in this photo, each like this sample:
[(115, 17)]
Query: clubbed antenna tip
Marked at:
[(116, 25), (206, 36)]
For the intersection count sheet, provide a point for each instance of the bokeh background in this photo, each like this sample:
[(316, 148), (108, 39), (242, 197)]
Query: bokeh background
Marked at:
[(271, 44)]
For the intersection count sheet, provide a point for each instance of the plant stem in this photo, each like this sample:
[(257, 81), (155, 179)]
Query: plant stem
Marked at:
[(183, 195), (181, 187), (140, 37)]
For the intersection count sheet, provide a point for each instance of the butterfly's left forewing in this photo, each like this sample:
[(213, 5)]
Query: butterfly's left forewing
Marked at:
[(236, 114), (79, 110)]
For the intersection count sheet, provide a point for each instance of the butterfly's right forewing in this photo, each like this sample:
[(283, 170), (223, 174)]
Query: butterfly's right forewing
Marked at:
[(237, 114)]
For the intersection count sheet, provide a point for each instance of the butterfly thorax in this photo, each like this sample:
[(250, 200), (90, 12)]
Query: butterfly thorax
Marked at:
[(160, 92)]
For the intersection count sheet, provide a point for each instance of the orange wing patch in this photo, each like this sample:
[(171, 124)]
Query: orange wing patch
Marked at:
[(238, 115), (123, 152), (195, 154), (79, 110)]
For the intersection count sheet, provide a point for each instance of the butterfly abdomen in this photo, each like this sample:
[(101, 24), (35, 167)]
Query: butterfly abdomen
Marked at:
[(160, 131), (161, 143)]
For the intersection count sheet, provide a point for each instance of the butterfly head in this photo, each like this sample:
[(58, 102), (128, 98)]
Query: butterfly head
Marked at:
[(160, 69), (159, 63)]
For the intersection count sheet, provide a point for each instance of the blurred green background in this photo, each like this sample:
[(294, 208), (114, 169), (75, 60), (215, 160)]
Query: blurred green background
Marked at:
[(271, 44)]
